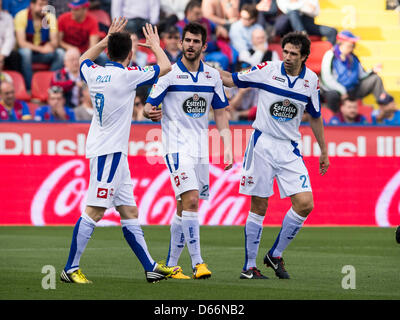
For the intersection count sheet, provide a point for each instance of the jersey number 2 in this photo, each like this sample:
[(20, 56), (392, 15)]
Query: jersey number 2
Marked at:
[(99, 103)]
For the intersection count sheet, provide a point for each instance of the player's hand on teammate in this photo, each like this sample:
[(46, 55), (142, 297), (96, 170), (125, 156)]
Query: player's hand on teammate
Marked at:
[(117, 25), (151, 35), (153, 113), (323, 163)]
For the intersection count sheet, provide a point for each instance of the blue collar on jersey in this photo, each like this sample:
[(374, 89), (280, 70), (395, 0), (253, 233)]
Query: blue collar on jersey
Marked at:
[(114, 64), (301, 75), (184, 69)]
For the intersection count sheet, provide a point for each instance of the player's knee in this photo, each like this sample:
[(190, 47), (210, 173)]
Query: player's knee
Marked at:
[(304, 208), (191, 203)]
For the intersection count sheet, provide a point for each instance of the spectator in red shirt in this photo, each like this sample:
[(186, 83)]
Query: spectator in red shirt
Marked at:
[(79, 29), (69, 78)]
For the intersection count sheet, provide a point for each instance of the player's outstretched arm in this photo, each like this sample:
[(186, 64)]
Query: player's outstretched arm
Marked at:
[(153, 42), (317, 127), (226, 78), (117, 25), (222, 123)]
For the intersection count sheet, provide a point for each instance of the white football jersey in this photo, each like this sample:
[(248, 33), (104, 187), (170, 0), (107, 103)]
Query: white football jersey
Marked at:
[(112, 90), (186, 98), (282, 99)]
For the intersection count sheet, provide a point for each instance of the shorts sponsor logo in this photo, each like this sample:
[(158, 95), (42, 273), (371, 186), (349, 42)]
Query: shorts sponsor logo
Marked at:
[(195, 107), (184, 176), (102, 193), (283, 111)]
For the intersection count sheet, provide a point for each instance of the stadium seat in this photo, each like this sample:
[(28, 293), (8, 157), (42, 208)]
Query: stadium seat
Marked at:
[(40, 84), (19, 85), (276, 47), (365, 110), (318, 49), (327, 114), (101, 17), (151, 58), (40, 67)]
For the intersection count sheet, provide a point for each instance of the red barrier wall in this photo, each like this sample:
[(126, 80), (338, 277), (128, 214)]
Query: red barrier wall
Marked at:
[(44, 177)]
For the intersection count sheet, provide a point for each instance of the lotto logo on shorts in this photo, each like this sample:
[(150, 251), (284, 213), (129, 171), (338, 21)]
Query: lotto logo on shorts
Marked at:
[(102, 193)]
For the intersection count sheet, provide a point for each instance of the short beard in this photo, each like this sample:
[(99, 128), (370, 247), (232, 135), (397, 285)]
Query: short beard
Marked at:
[(195, 57)]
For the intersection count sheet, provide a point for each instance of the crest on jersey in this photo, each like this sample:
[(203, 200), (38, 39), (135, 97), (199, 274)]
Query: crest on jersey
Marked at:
[(283, 111), (195, 106)]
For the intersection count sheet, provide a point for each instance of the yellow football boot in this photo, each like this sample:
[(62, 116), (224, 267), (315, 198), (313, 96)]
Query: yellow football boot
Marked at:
[(201, 271), (75, 277)]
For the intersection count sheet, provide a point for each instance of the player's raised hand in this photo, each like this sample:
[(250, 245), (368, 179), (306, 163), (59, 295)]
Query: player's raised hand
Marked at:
[(151, 35), (323, 164), (117, 25)]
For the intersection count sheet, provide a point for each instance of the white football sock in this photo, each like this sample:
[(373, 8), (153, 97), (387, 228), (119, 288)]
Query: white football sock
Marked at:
[(291, 225), (177, 242), (191, 230), (80, 237), (134, 235), (252, 236)]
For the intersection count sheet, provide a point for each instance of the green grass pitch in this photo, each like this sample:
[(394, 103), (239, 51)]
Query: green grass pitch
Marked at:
[(314, 260)]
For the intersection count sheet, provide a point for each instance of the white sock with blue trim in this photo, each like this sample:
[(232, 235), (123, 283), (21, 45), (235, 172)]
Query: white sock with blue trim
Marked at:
[(291, 225), (177, 242), (134, 235), (191, 230), (252, 236), (80, 237)]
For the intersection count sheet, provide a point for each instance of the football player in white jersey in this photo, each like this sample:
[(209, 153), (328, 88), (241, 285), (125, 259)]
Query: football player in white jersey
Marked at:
[(112, 90), (286, 90), (187, 93)]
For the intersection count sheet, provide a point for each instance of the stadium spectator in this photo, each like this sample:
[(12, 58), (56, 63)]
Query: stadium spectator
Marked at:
[(299, 15), (171, 38), (10, 108), (139, 58), (241, 31), (241, 100), (37, 41), (138, 13), (348, 114), (78, 28), (69, 78), (84, 112), (259, 51), (387, 113), (217, 51), (221, 12), (392, 5), (138, 109), (15, 6), (9, 58), (55, 110), (343, 76)]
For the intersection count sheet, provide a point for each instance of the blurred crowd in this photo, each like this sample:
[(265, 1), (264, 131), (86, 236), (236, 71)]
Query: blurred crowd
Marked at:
[(50, 35)]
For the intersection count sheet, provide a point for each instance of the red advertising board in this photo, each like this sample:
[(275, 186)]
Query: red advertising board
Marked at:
[(44, 177)]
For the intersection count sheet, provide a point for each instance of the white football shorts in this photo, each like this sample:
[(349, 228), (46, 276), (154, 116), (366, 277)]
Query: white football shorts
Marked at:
[(110, 182), (188, 173), (267, 158)]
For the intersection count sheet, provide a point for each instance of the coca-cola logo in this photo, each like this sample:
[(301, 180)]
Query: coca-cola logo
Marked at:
[(388, 203), (61, 197)]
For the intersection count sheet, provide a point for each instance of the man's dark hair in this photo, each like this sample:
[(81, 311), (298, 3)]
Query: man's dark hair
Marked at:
[(195, 28), (192, 4), (119, 45), (298, 39), (251, 9)]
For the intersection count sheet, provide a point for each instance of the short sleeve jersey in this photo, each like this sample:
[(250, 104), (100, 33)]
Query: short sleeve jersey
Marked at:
[(186, 99), (112, 91), (282, 99)]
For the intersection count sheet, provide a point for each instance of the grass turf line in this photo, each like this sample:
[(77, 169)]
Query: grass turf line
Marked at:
[(314, 260)]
